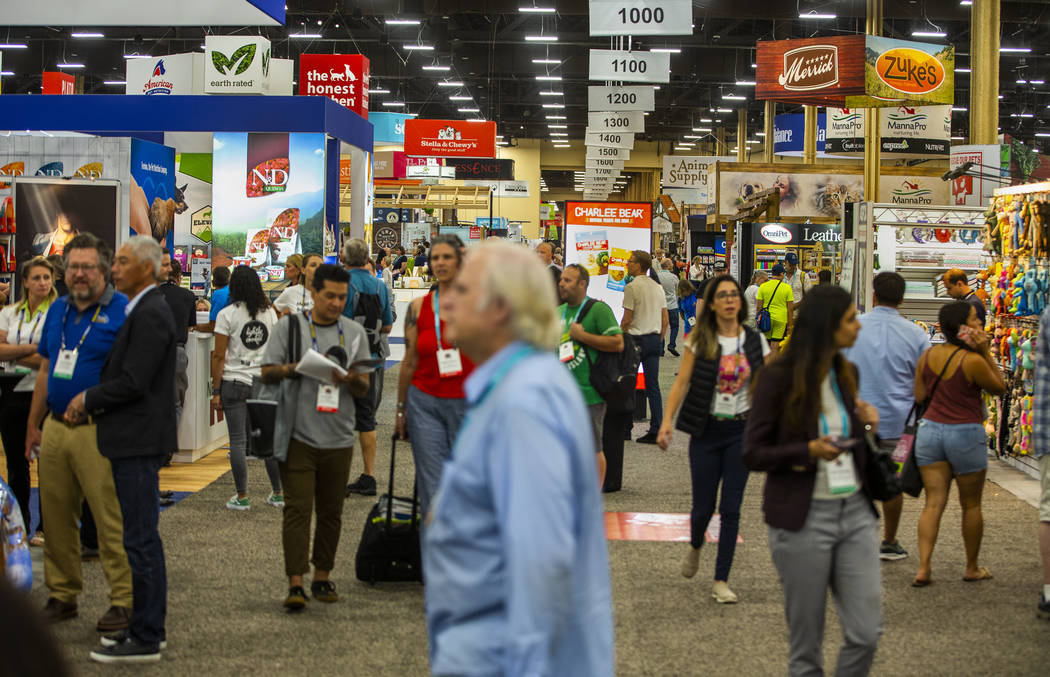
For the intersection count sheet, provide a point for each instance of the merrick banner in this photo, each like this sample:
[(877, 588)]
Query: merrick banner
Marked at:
[(855, 71), (343, 78), (450, 138)]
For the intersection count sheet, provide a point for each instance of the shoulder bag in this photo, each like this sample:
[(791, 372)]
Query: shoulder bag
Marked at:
[(904, 455), (764, 321), (271, 415)]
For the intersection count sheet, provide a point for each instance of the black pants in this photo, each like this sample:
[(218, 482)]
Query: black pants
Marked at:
[(14, 412), (616, 425), (135, 480)]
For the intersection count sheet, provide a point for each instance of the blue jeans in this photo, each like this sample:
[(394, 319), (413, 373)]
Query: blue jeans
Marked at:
[(234, 405), (432, 423), (135, 480), (672, 330), (716, 457), (650, 347), (963, 445)]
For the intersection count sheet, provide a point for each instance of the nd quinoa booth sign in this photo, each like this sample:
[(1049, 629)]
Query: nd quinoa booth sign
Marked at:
[(855, 71), (450, 138)]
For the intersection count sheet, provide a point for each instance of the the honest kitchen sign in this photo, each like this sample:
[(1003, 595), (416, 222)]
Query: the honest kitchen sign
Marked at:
[(236, 65)]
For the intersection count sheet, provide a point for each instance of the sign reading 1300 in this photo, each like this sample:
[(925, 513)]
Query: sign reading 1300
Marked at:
[(641, 17)]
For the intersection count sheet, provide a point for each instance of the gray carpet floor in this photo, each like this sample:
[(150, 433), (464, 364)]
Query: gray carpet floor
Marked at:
[(226, 584)]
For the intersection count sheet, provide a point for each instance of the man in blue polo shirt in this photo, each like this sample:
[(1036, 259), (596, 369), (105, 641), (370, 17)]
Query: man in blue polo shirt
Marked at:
[(368, 303), (78, 333)]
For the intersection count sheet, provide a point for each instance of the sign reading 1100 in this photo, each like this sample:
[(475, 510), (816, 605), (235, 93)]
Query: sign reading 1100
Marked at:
[(641, 17)]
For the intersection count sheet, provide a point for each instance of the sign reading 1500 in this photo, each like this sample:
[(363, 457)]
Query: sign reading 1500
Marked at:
[(641, 17)]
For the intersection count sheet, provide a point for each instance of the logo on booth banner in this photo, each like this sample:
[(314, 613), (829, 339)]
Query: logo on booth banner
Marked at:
[(242, 58), (909, 193), (156, 84), (907, 119), (812, 67), (776, 234), (910, 71)]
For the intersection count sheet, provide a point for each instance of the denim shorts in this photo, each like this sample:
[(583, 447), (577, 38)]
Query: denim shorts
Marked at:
[(963, 445)]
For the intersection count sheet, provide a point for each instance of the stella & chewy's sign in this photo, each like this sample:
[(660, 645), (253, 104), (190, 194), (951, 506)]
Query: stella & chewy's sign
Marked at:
[(811, 67), (343, 78), (855, 71), (450, 138), (236, 64)]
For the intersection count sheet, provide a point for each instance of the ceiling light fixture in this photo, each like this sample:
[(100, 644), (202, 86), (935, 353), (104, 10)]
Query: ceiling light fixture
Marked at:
[(817, 15), (702, 129), (555, 117), (558, 126), (965, 3), (746, 83), (2, 73), (450, 83), (537, 10), (668, 50), (1022, 115), (69, 65), (734, 97), (958, 109), (541, 38), (723, 110), (760, 133), (418, 48), (1042, 134), (402, 22), (549, 78), (394, 104), (137, 56), (436, 67), (13, 45), (928, 34), (114, 82), (460, 97), (550, 61), (379, 90), (304, 36), (469, 110), (554, 105), (962, 70), (559, 133), (1015, 50), (86, 35), (691, 136), (552, 93)]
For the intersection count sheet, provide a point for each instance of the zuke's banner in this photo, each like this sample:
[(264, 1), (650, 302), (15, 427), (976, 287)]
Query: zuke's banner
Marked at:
[(467, 168), (450, 138), (58, 83), (343, 78), (855, 71), (236, 64), (905, 131), (172, 74)]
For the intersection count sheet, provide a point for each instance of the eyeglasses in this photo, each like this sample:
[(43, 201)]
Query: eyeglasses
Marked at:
[(723, 295)]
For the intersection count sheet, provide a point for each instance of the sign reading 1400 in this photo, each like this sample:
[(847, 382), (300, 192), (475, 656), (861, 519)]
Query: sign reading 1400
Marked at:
[(641, 17)]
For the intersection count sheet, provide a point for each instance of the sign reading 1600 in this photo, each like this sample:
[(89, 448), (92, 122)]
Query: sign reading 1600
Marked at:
[(641, 17)]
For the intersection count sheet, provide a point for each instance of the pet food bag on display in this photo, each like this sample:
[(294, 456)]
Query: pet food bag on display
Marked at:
[(283, 238), (256, 247), (617, 269), (269, 167), (593, 252)]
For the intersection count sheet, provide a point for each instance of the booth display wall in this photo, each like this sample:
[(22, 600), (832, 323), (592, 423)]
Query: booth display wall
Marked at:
[(269, 193), (52, 211), (600, 236), (765, 244), (193, 223), (153, 199), (526, 157)]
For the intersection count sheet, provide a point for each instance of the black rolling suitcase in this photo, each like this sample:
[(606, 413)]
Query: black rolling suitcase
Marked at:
[(389, 547)]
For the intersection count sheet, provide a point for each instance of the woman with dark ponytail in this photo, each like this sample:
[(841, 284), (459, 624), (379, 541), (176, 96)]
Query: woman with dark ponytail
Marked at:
[(951, 441), (806, 432)]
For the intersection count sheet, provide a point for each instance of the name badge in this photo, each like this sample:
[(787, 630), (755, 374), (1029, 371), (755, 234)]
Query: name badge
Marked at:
[(65, 364), (327, 398), (841, 477), (566, 351), (449, 363), (725, 405)]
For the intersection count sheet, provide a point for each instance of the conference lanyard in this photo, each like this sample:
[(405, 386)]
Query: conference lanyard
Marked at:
[(498, 376), (65, 316), (565, 318), (842, 408), (437, 316), (313, 332), (21, 317)]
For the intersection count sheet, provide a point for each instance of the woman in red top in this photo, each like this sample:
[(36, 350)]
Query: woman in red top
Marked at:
[(951, 440), (430, 399)]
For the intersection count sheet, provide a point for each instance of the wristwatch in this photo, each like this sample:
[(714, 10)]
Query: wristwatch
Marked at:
[(215, 391)]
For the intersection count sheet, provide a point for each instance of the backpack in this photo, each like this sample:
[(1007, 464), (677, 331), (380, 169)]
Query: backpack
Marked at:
[(764, 321), (368, 312), (614, 375)]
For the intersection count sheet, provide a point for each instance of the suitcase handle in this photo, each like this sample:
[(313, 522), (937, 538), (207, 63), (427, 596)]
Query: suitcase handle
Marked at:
[(390, 490)]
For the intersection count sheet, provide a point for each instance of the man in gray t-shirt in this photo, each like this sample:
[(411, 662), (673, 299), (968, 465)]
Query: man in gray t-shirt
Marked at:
[(669, 281), (317, 465)]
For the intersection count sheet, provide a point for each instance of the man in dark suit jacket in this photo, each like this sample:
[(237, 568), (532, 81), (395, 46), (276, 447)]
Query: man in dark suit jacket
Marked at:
[(134, 409)]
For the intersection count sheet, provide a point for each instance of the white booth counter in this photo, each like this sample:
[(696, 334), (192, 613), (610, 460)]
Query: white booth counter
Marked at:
[(201, 431)]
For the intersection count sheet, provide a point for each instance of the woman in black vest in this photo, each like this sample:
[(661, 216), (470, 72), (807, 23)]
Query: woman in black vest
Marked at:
[(722, 357)]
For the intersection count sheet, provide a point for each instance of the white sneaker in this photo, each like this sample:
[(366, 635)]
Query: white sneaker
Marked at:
[(722, 593), (276, 500), (691, 562), (239, 503)]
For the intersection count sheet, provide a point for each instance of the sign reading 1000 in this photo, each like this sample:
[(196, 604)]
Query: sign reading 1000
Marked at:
[(641, 17)]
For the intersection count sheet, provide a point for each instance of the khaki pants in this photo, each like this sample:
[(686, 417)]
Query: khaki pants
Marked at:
[(311, 476), (72, 469)]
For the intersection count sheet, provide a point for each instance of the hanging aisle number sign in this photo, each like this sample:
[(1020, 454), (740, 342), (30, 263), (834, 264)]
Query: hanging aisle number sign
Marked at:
[(641, 17), (611, 64), (604, 164), (613, 139), (602, 153), (617, 121), (621, 98)]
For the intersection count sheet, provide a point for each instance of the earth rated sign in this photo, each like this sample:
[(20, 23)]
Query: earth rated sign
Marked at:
[(236, 65)]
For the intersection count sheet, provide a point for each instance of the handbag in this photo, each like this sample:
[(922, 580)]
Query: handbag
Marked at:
[(764, 321), (266, 413), (880, 471), (904, 454)]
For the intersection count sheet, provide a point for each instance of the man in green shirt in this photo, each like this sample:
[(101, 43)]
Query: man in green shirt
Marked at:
[(586, 331), (776, 296)]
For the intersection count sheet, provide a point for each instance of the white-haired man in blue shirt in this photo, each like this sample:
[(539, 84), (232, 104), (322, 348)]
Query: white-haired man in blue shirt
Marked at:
[(514, 552)]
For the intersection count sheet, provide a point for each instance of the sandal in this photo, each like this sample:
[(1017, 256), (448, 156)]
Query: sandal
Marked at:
[(982, 575), (920, 583), (37, 541)]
